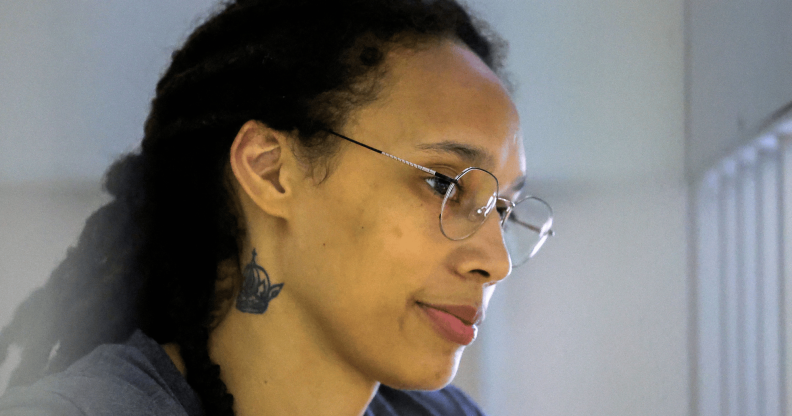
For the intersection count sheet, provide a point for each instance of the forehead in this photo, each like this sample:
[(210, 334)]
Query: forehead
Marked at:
[(442, 99)]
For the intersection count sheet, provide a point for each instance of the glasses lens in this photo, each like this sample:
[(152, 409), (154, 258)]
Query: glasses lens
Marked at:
[(527, 228), (466, 206)]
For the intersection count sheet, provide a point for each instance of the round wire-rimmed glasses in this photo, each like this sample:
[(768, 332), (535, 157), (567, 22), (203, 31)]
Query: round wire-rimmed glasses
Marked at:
[(470, 198), (473, 195)]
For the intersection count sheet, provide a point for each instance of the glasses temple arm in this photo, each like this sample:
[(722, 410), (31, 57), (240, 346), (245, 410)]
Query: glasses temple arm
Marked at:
[(419, 167), (531, 227)]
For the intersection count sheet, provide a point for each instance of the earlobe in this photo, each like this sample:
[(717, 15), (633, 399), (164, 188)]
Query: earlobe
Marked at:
[(257, 161)]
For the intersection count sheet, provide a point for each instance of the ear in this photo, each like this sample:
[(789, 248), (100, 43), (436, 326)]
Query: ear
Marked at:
[(257, 161)]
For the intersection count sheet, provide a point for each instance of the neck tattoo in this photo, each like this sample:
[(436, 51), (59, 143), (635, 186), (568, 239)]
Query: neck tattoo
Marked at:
[(257, 291)]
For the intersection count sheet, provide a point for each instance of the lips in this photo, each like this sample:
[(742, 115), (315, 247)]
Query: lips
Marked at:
[(456, 323)]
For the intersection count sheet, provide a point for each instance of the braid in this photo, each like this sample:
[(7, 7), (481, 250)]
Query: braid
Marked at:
[(204, 375), (149, 258)]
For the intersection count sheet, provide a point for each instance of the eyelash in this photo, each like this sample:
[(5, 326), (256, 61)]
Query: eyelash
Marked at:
[(438, 181), (500, 209)]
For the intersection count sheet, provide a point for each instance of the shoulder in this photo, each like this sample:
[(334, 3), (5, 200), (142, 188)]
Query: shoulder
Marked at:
[(447, 401), (124, 379)]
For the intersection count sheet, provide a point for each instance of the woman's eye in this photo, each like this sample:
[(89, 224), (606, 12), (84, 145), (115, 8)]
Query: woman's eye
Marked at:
[(439, 185)]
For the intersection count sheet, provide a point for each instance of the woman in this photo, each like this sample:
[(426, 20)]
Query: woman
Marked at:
[(272, 262)]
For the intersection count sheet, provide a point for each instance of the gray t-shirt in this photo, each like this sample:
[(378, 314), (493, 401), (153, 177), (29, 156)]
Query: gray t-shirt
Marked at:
[(138, 378)]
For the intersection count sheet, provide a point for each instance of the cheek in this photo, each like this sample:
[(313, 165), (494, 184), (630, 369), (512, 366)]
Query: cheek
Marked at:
[(373, 251), (342, 237), (361, 262), (349, 232), (384, 226)]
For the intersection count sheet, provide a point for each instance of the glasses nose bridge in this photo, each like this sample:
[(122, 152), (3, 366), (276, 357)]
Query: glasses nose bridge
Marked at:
[(509, 207)]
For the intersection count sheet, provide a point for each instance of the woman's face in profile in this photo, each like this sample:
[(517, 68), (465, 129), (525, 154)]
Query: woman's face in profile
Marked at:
[(371, 270)]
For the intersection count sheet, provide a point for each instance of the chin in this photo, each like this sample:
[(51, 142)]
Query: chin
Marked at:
[(426, 376)]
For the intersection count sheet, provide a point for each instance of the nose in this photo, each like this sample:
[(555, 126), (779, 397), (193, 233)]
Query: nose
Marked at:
[(486, 255)]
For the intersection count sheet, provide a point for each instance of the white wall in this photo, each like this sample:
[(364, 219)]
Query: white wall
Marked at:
[(597, 323), (739, 67), (738, 75), (78, 76)]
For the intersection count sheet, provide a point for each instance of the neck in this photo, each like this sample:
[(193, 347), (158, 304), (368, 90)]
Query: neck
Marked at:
[(274, 366)]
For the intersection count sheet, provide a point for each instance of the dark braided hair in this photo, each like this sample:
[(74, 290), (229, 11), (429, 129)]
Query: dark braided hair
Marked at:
[(149, 259)]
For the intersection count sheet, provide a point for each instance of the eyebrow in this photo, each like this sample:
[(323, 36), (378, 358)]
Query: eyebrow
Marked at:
[(473, 155)]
